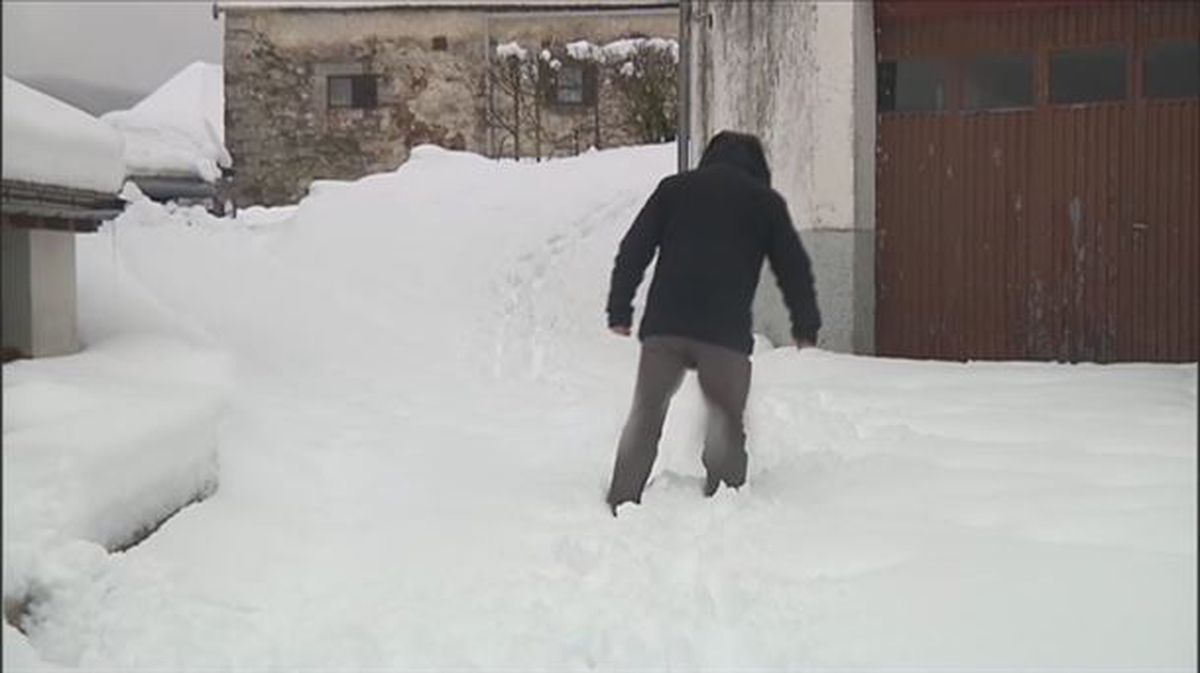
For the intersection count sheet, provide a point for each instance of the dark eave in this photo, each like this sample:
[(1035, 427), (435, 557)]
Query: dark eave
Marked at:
[(38, 206)]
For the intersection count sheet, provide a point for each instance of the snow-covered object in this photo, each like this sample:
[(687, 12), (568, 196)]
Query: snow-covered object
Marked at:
[(582, 50), (627, 48), (619, 50), (413, 471), (179, 130), (49, 142), (105, 443), (511, 50)]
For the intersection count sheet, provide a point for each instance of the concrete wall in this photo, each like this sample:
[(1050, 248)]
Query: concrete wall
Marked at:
[(281, 133), (800, 74), (38, 314)]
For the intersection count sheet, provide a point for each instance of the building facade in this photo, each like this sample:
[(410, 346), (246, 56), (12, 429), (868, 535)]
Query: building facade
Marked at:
[(1003, 180), (319, 92)]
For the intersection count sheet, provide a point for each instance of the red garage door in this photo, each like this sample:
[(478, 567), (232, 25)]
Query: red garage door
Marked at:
[(1037, 180)]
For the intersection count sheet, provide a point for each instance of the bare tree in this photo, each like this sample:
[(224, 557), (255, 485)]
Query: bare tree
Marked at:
[(646, 83)]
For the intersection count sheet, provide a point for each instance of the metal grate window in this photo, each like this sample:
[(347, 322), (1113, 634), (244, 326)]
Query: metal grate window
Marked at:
[(569, 87)]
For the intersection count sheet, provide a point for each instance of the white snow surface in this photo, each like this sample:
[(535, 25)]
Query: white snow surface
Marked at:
[(423, 425), (102, 444), (179, 129), (50, 142)]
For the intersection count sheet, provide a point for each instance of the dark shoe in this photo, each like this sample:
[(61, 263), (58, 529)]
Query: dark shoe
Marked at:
[(711, 484)]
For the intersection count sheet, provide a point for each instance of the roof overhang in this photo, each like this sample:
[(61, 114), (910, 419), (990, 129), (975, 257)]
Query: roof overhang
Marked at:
[(36, 206)]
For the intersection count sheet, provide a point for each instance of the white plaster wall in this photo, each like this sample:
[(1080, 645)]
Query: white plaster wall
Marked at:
[(52, 292), (800, 75)]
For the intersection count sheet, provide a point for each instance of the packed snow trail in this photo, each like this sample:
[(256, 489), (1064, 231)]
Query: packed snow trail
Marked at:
[(415, 456)]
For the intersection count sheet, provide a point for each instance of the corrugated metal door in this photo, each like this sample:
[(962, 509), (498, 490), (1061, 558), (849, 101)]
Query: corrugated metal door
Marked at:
[(1037, 181)]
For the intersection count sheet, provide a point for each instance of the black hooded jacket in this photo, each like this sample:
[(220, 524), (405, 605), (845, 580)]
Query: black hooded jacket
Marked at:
[(712, 227)]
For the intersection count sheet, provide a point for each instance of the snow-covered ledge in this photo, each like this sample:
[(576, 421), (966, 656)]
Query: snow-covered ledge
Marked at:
[(102, 447)]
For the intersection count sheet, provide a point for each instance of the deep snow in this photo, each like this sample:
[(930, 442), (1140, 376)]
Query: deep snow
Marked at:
[(49, 142), (179, 129), (426, 406)]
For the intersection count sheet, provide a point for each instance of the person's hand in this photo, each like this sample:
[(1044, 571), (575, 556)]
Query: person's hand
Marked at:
[(622, 330), (804, 343)]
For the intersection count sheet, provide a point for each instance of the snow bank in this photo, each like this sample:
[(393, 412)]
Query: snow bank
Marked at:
[(106, 443), (49, 142), (179, 130)]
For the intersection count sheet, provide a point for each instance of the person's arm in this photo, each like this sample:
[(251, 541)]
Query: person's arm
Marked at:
[(793, 272), (633, 256)]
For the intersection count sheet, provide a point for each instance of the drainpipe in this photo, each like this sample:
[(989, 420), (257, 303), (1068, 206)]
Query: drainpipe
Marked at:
[(683, 109), (487, 51)]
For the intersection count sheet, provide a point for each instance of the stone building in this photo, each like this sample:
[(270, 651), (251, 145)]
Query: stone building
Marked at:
[(322, 90)]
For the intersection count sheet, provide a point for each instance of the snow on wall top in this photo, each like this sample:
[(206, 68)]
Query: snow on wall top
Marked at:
[(179, 130), (582, 50), (49, 142), (449, 4)]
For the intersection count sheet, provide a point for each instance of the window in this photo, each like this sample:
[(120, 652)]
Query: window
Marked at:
[(999, 82), (569, 86), (1172, 70), (1087, 75), (912, 86), (440, 43), (352, 91)]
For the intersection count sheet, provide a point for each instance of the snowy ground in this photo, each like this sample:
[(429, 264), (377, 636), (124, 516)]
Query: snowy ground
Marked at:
[(416, 450)]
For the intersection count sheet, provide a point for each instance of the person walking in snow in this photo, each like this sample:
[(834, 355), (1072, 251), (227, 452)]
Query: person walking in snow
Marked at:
[(711, 228)]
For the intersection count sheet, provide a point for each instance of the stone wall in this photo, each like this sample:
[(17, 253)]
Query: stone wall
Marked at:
[(282, 135)]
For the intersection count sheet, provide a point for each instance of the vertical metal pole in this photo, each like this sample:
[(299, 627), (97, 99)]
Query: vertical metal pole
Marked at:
[(683, 109), (491, 109)]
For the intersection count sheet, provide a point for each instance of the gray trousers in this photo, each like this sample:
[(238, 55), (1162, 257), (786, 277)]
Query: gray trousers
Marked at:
[(725, 381)]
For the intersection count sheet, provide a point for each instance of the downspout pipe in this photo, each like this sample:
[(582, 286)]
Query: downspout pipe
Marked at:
[(683, 110)]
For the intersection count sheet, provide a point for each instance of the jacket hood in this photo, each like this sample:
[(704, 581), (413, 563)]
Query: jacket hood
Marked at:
[(740, 150)]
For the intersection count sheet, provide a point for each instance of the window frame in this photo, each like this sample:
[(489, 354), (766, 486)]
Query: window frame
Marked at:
[(962, 68), (1131, 55), (356, 94), (951, 79), (558, 87), (1144, 64)]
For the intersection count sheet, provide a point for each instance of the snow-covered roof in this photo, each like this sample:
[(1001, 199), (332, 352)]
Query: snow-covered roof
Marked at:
[(446, 4), (179, 130), (48, 142)]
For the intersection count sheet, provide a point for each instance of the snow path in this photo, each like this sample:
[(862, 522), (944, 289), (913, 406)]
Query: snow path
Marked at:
[(413, 468)]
